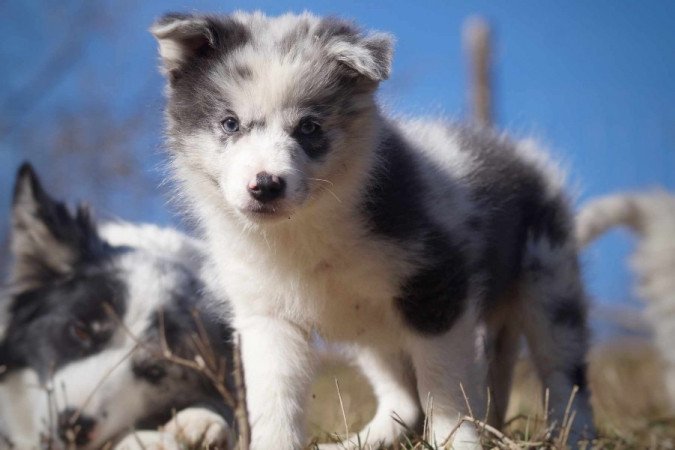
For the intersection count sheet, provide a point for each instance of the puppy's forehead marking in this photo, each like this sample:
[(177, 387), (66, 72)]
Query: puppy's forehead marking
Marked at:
[(272, 83), (283, 66)]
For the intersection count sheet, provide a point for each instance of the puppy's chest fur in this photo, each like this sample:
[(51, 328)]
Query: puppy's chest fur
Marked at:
[(337, 280)]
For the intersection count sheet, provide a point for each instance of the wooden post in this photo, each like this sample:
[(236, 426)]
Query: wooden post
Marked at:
[(477, 44)]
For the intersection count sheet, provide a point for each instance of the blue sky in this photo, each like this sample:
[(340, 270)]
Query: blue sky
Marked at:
[(594, 81)]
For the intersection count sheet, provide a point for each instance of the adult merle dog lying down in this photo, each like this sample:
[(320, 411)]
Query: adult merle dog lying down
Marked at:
[(428, 247), (89, 312)]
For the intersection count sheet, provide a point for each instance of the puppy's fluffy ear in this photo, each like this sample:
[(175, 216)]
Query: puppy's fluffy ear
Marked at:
[(369, 55), (183, 37), (46, 239)]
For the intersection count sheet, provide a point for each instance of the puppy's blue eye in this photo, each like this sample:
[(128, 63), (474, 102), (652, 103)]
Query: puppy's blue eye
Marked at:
[(230, 125), (308, 127)]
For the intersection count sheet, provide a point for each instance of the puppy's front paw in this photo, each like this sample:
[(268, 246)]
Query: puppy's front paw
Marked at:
[(148, 440), (199, 427)]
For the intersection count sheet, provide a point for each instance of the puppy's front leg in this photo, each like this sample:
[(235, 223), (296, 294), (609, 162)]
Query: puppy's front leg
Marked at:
[(278, 364)]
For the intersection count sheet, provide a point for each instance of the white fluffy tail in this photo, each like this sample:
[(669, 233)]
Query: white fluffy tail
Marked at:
[(598, 216)]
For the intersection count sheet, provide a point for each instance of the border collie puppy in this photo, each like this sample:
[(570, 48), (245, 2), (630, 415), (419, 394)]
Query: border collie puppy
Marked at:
[(430, 248), (651, 216), (89, 314)]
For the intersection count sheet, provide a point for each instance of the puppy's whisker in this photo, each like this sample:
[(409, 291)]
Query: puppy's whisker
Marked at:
[(322, 180), (312, 178), (267, 241), (324, 188)]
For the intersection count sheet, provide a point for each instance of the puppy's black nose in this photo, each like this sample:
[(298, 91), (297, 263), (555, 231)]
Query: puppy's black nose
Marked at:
[(75, 428), (266, 187)]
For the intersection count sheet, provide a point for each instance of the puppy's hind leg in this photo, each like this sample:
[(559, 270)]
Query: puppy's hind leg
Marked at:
[(451, 372), (502, 353), (553, 317)]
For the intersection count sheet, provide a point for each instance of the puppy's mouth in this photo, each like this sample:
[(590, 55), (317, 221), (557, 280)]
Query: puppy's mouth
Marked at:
[(265, 211)]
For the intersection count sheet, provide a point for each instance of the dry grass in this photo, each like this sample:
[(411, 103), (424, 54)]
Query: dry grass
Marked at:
[(628, 399), (629, 403)]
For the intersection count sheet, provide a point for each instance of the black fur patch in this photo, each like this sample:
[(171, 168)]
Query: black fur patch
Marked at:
[(393, 204), (511, 195), (435, 296), (578, 376), (202, 39), (315, 145), (548, 218), (568, 312)]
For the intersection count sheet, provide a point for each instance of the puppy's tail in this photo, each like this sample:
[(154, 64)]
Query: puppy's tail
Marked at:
[(599, 215)]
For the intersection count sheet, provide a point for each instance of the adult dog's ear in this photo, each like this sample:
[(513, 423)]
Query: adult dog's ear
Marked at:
[(47, 241), (369, 55), (184, 37)]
